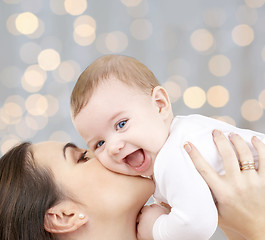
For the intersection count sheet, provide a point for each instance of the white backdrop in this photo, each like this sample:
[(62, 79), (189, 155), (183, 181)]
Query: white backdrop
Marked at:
[(209, 54)]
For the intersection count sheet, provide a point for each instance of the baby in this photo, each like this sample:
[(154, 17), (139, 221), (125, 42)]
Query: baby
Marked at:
[(125, 117)]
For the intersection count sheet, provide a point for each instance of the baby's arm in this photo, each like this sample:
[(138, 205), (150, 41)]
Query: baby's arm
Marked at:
[(193, 214), (146, 220)]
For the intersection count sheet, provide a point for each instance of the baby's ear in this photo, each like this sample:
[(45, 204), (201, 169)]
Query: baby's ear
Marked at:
[(65, 217), (161, 100)]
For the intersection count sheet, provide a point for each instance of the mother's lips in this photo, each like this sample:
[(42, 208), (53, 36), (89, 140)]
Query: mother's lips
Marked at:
[(135, 159)]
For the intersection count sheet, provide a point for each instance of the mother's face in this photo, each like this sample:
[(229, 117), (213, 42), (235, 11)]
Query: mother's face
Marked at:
[(88, 182)]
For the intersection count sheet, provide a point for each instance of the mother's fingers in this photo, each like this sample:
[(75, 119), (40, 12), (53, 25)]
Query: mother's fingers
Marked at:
[(209, 175), (244, 152), (260, 147), (226, 152)]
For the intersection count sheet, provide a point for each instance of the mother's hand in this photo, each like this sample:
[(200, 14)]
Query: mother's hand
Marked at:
[(240, 194)]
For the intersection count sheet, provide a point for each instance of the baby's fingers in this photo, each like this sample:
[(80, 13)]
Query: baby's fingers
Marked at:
[(206, 171)]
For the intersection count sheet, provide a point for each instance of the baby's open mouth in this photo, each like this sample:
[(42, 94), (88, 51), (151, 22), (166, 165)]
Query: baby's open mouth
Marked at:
[(135, 159)]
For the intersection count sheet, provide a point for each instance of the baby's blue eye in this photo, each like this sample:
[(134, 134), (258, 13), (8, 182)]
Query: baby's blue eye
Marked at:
[(100, 143), (121, 124)]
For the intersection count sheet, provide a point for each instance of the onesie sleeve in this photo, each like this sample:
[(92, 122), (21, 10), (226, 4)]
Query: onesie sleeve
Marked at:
[(193, 214)]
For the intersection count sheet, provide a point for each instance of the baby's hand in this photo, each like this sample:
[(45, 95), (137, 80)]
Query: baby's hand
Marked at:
[(146, 220)]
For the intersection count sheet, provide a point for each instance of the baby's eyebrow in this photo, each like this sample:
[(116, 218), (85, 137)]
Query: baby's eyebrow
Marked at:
[(67, 145)]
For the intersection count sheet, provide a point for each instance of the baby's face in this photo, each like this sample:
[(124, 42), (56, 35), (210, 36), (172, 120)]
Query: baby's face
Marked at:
[(124, 127)]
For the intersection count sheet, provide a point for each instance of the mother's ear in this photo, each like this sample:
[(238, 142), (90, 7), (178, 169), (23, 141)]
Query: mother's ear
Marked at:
[(161, 100), (65, 217)]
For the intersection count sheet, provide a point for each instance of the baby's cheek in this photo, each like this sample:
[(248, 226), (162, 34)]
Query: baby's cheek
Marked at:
[(105, 161), (91, 154)]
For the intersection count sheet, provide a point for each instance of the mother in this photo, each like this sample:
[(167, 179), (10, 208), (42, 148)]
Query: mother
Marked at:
[(66, 190), (53, 190)]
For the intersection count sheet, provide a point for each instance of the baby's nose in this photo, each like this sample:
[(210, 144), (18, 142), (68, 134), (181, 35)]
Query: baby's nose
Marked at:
[(116, 147)]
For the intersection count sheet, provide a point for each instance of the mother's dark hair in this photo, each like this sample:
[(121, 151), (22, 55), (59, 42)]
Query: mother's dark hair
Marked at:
[(27, 191)]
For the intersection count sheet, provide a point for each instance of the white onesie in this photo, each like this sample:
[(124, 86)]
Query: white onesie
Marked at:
[(193, 215)]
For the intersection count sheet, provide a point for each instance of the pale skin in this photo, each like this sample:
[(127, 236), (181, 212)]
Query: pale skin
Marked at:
[(240, 194), (101, 204), (121, 124)]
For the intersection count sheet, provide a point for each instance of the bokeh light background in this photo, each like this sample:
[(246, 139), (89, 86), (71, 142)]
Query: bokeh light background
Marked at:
[(209, 55)]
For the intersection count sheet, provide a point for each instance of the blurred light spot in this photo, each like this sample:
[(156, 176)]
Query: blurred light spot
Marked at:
[(17, 100), (49, 59), (116, 42), (11, 113), (201, 40), (74, 7), (13, 110), (84, 30), (173, 90), (194, 97), (11, 25), (33, 79), (131, 3), (68, 71), (39, 32), (179, 67), (217, 96), (7, 119), (12, 1), (29, 52), (27, 23), (219, 65), (85, 26), (251, 110), (262, 98), (36, 122), (214, 17), (141, 29), (181, 81), (10, 76), (139, 11), (34, 6), (246, 15), (226, 119), (36, 104), (52, 42), (255, 3), (60, 136), (243, 35), (53, 105), (24, 131), (9, 143), (84, 41), (57, 7)]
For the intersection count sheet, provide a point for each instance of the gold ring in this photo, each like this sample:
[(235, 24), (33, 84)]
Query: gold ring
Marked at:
[(247, 165), (247, 168)]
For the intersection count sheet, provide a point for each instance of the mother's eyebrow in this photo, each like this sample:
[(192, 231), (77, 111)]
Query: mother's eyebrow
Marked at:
[(67, 145)]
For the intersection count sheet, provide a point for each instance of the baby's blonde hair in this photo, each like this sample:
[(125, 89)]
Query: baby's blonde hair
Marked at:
[(126, 69)]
